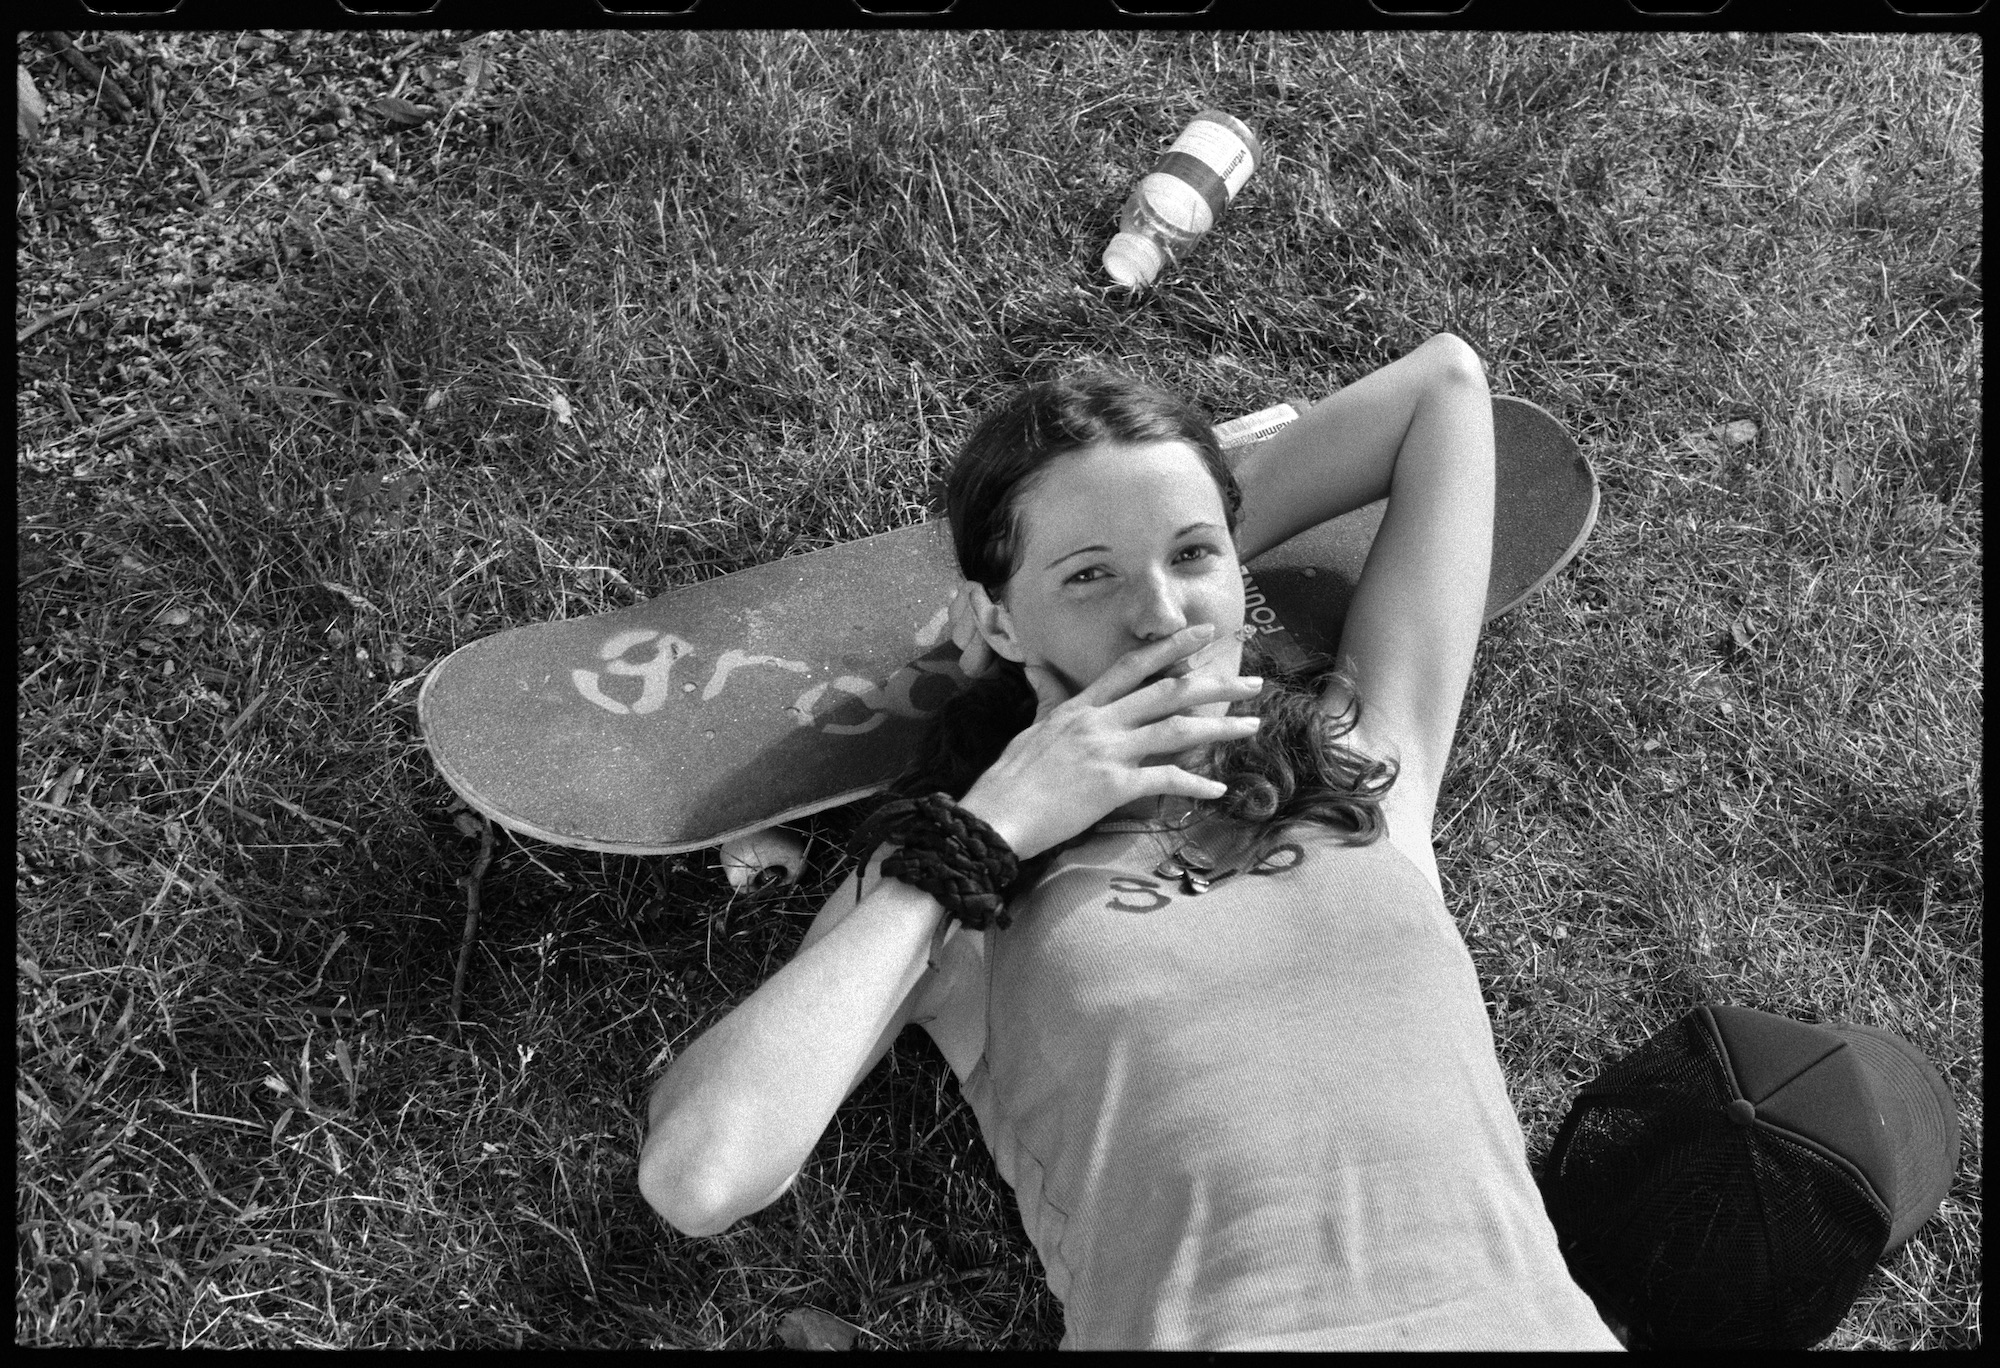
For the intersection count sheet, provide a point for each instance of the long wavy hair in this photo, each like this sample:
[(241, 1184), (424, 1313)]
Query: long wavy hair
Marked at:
[(1295, 768)]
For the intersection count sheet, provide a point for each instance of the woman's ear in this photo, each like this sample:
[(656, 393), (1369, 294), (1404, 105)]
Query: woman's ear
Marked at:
[(995, 624)]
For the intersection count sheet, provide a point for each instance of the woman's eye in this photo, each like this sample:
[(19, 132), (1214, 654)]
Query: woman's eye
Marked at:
[(1187, 555)]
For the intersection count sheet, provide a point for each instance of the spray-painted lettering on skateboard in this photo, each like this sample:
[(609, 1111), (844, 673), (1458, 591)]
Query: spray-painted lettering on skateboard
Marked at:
[(678, 722), (650, 655)]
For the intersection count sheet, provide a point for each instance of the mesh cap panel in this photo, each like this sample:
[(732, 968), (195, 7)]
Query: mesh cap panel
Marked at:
[(1693, 1229)]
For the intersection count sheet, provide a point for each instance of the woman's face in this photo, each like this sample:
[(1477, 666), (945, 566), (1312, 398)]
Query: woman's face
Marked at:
[(1121, 545)]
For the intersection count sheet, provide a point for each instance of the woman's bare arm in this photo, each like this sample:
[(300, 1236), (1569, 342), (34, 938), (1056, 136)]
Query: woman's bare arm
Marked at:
[(1340, 454), (742, 1107), (1419, 431)]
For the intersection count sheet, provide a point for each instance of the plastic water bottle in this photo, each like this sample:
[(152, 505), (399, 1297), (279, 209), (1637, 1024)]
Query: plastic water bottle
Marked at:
[(1182, 196)]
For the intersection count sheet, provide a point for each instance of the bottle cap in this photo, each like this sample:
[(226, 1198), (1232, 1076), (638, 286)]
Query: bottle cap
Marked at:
[(1133, 260)]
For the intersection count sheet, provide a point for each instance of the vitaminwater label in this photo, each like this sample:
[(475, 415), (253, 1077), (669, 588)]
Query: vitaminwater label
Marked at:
[(1211, 158), (1252, 428), (1217, 147)]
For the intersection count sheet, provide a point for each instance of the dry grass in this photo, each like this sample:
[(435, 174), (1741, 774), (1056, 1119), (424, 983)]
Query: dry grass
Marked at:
[(704, 300)]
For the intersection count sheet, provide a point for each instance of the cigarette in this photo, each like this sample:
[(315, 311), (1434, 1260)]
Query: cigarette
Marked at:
[(1215, 649)]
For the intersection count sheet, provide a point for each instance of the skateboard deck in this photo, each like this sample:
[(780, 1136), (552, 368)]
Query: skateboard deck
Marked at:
[(763, 696)]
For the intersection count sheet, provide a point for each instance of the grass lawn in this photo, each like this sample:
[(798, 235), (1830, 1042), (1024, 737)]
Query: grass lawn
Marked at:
[(626, 312)]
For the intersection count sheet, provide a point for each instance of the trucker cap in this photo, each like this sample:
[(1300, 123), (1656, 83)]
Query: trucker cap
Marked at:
[(1731, 1182)]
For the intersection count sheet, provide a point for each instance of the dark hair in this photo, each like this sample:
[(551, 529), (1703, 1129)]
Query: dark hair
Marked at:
[(1295, 768), (1013, 445)]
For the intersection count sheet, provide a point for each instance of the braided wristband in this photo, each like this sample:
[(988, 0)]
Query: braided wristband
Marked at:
[(947, 852)]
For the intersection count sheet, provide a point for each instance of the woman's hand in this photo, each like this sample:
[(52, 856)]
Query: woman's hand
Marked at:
[(1085, 756), (975, 657)]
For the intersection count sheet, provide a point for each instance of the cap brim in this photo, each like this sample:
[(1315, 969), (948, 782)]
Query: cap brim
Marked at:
[(1922, 1123)]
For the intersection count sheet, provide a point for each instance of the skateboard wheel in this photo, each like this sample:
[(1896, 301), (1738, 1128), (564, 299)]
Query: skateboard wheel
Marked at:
[(764, 859)]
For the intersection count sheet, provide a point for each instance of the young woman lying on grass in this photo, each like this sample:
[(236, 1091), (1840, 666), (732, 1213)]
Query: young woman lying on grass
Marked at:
[(1224, 1040)]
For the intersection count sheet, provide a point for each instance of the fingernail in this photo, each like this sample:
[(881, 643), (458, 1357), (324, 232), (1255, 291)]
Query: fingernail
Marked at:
[(1203, 630), (1254, 681)]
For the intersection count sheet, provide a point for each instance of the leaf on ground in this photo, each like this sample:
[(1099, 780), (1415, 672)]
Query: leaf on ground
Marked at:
[(1714, 688), (371, 495), (60, 794), (808, 1327), (403, 113), (472, 69), (28, 106), (1742, 432), (97, 851), (354, 596)]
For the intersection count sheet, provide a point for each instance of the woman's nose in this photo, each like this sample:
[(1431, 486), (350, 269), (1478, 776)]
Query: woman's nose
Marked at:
[(1159, 611)]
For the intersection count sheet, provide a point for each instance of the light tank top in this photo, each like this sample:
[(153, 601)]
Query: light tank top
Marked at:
[(1267, 1116)]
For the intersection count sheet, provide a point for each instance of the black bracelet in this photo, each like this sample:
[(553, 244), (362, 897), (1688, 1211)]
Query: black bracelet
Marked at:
[(947, 852)]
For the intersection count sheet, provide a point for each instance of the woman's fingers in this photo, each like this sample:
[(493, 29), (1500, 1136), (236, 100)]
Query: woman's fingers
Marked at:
[(1170, 696), (975, 657), (1142, 662), (1081, 759), (1172, 735), (964, 622), (1173, 781)]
